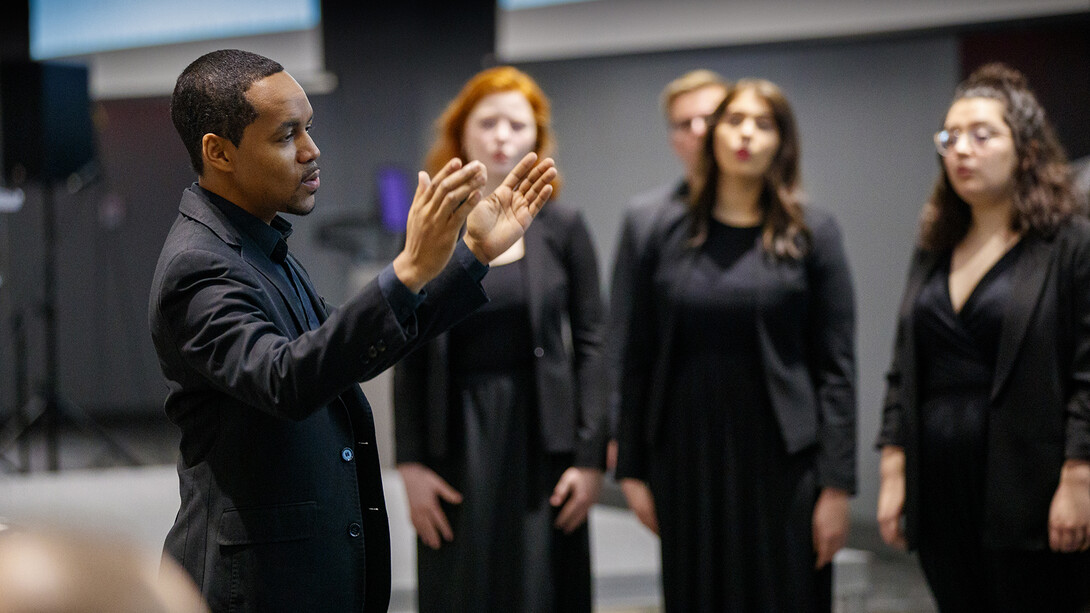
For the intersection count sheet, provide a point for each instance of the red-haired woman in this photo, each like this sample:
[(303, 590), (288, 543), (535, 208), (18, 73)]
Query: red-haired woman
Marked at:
[(986, 430), (737, 422), (500, 423)]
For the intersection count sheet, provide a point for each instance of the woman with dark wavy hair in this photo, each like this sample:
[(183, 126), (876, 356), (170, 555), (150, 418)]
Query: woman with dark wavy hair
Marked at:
[(985, 436), (737, 422)]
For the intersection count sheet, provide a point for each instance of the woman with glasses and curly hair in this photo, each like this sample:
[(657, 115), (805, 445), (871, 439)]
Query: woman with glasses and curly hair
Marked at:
[(737, 421), (985, 436), (500, 422)]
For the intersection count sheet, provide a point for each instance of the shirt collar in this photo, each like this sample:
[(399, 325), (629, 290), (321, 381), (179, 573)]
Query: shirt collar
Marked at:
[(270, 238)]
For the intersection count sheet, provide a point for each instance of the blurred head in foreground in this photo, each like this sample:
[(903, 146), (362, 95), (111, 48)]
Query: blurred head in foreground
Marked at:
[(57, 572)]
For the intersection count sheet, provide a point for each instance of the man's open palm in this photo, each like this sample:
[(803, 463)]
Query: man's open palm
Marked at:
[(499, 220)]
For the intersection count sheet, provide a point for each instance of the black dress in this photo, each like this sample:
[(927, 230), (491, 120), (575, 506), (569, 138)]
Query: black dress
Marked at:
[(957, 358), (734, 508), (506, 555)]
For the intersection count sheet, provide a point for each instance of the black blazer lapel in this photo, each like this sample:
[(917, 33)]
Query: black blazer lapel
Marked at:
[(316, 301), (269, 270), (679, 270), (198, 208), (1029, 276), (923, 267)]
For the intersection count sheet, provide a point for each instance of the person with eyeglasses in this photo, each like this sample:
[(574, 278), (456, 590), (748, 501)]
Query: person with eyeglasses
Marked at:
[(985, 435), (736, 438), (687, 104)]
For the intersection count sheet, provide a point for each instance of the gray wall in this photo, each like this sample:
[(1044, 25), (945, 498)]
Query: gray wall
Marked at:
[(866, 111)]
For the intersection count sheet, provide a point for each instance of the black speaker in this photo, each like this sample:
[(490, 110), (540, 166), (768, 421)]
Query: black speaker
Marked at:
[(46, 115)]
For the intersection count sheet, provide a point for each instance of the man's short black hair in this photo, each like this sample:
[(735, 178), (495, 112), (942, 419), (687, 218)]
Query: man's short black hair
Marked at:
[(210, 97)]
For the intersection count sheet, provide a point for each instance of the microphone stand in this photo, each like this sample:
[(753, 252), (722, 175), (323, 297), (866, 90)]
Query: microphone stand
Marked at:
[(48, 406)]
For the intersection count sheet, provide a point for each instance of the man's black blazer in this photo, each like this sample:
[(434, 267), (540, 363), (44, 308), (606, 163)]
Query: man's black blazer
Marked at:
[(806, 332), (1040, 401), (563, 291), (281, 495)]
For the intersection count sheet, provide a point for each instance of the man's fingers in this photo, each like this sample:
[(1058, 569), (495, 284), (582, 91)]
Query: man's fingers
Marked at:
[(520, 171), (465, 207), (451, 167), (454, 198), (543, 172), (540, 176), (456, 189), (423, 182), (433, 183), (539, 200), (537, 193)]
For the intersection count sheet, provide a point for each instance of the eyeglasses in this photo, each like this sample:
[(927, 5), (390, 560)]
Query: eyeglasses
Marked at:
[(978, 137), (692, 124)]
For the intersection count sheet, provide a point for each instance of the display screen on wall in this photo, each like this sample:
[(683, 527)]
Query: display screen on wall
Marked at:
[(137, 49), (533, 31), (514, 5), (62, 28)]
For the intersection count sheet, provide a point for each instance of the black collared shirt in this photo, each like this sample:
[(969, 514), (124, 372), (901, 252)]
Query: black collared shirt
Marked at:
[(272, 238)]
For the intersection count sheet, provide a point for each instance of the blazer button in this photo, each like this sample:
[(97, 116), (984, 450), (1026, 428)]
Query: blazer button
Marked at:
[(381, 346), (539, 352), (372, 352), (354, 530), (347, 455)]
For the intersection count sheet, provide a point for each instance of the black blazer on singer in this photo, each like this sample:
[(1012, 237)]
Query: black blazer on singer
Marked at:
[(806, 331), (1040, 398), (563, 290)]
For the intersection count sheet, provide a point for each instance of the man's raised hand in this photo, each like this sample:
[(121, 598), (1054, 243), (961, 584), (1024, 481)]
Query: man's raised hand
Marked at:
[(499, 220), (439, 209)]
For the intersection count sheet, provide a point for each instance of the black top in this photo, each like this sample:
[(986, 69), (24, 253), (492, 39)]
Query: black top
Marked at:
[(717, 305), (958, 350), (496, 336), (957, 358)]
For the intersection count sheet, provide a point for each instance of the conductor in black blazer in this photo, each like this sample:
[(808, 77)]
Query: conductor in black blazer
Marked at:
[(281, 496), (985, 435)]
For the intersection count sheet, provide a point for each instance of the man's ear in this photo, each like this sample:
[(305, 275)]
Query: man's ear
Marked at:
[(218, 152)]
